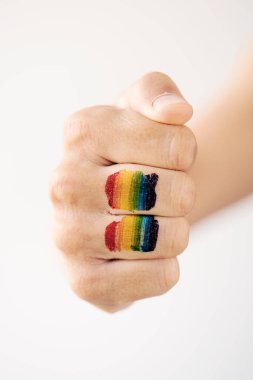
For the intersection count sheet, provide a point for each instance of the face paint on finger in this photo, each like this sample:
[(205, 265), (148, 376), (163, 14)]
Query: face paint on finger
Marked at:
[(131, 190), (132, 233)]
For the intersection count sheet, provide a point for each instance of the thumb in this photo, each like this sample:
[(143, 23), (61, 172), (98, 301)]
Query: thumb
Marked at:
[(157, 97)]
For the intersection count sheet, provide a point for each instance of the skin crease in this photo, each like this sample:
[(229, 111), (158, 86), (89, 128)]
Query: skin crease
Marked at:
[(225, 128)]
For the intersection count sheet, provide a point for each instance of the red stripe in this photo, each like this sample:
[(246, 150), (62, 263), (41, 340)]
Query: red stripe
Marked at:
[(109, 188), (110, 234)]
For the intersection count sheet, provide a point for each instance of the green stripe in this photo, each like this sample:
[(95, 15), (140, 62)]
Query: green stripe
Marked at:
[(137, 233), (134, 191)]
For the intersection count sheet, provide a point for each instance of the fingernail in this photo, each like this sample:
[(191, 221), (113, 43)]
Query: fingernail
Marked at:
[(166, 99)]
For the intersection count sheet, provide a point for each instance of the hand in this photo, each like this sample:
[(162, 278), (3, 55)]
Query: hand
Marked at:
[(121, 192)]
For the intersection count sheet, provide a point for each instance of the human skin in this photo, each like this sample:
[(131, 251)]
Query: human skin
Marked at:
[(223, 171), (222, 174), (138, 133)]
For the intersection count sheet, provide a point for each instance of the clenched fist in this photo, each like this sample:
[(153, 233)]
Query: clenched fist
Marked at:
[(121, 194)]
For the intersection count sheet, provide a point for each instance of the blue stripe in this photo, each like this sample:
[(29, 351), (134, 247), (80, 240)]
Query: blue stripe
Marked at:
[(146, 233)]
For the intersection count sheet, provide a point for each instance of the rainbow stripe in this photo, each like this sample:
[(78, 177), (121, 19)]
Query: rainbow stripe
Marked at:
[(131, 190), (135, 233)]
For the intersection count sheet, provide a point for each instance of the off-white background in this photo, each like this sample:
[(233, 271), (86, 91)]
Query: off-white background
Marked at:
[(58, 56)]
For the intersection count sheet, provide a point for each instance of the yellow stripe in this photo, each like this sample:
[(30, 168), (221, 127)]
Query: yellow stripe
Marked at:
[(127, 232), (127, 177)]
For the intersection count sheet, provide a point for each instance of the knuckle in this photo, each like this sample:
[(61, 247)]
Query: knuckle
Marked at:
[(78, 127), (81, 128), (85, 285), (70, 237), (170, 274), (63, 186), (187, 195), (183, 148), (76, 130), (91, 286), (179, 236), (182, 235), (77, 288)]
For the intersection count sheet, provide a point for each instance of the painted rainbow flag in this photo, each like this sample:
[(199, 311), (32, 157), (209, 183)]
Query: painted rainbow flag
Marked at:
[(131, 190), (136, 233)]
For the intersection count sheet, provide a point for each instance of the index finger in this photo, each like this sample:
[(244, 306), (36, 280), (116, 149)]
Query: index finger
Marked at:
[(107, 134)]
